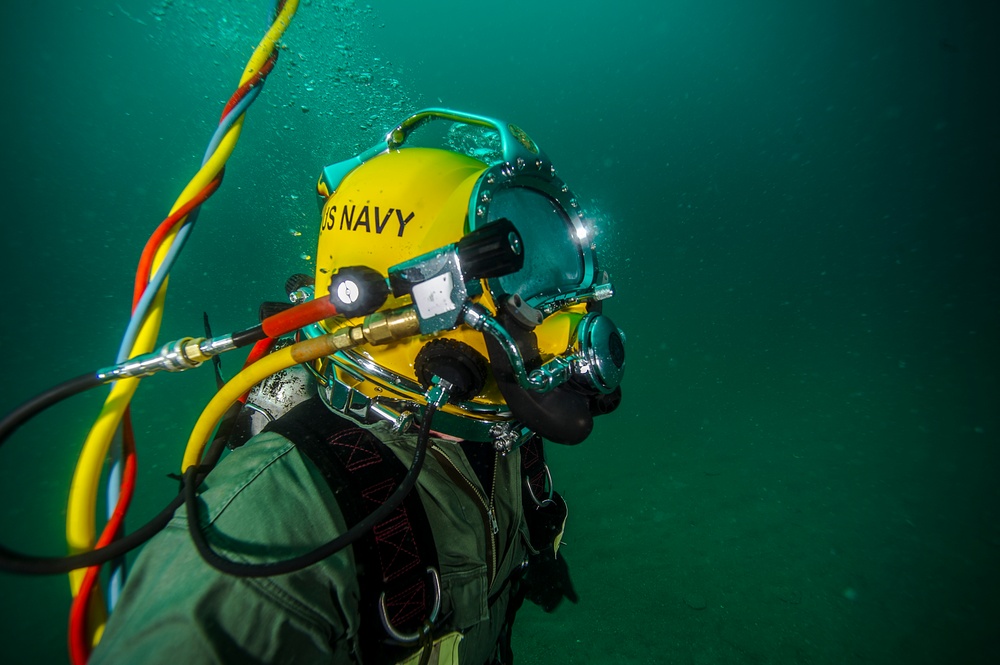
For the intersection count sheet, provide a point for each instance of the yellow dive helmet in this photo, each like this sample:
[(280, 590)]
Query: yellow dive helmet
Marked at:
[(400, 211)]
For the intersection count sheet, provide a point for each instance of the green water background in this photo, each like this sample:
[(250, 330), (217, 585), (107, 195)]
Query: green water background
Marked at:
[(798, 203)]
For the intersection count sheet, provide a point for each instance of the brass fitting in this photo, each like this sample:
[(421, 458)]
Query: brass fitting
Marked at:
[(191, 349), (385, 327), (377, 328)]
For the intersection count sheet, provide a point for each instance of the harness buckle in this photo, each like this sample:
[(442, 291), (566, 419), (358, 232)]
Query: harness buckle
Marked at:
[(422, 634), (548, 500)]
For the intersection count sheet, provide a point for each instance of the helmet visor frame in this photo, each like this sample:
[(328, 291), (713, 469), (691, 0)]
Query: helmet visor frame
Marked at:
[(560, 255)]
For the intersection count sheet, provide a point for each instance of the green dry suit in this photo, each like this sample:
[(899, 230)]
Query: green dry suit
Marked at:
[(266, 501)]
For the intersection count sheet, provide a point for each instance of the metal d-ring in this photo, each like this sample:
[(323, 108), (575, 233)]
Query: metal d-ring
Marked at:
[(531, 493), (424, 630)]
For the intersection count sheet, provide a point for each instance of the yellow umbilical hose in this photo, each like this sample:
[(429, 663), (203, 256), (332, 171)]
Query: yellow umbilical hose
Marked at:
[(378, 328), (81, 508), (300, 352)]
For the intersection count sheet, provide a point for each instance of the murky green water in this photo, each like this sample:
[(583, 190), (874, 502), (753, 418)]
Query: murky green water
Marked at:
[(799, 212)]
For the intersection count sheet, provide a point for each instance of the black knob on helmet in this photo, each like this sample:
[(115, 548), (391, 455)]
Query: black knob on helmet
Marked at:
[(493, 250), (455, 362), (357, 291), (297, 281)]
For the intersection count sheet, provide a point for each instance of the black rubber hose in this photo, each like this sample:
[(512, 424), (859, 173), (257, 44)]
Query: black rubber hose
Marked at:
[(561, 415), (249, 336), (39, 403), (328, 549), (23, 564)]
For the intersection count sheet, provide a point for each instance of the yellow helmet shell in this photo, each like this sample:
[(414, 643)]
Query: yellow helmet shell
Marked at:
[(392, 208)]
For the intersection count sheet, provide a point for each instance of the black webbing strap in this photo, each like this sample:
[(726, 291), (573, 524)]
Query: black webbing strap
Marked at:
[(533, 467), (393, 558), (544, 509), (544, 522)]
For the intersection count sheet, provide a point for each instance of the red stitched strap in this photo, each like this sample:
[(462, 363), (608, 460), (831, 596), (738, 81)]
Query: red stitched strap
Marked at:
[(393, 558), (408, 603), (395, 536), (402, 554)]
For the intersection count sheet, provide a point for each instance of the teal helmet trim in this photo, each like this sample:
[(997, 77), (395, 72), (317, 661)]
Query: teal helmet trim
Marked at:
[(560, 266)]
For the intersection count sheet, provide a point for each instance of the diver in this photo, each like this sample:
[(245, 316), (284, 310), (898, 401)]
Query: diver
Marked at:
[(490, 270)]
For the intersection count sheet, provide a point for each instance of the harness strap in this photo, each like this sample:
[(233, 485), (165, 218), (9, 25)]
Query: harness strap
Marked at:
[(544, 509), (533, 467), (544, 513), (394, 557)]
